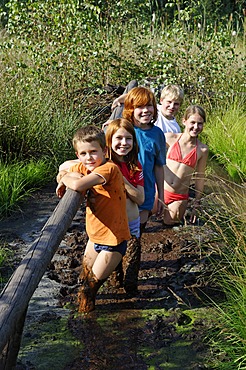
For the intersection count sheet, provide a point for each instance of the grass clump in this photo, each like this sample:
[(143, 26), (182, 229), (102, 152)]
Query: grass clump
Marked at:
[(36, 129), (6, 257), (226, 137), (227, 219), (5, 253), (18, 180)]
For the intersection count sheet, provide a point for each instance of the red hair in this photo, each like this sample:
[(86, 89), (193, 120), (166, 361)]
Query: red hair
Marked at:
[(137, 97)]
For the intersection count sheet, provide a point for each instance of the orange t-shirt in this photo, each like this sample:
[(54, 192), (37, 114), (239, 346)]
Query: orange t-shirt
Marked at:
[(106, 218)]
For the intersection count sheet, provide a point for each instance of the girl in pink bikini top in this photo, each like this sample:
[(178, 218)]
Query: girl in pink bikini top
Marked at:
[(175, 154)]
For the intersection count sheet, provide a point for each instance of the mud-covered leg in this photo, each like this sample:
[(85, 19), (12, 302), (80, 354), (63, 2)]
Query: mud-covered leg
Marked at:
[(87, 292), (84, 272), (131, 265), (117, 276), (142, 227)]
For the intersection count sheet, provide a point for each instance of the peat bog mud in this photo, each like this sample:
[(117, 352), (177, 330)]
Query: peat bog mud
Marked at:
[(163, 327)]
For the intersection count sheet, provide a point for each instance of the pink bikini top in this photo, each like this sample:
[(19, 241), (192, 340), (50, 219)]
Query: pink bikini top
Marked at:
[(175, 154)]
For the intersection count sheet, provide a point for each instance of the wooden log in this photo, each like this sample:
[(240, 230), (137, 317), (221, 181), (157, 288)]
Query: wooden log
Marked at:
[(10, 352), (17, 293)]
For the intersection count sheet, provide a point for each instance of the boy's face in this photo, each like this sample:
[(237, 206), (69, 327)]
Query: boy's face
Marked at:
[(143, 115), (169, 107), (90, 154)]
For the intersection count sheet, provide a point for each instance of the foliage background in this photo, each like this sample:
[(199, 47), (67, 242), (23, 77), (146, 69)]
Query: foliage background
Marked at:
[(57, 59)]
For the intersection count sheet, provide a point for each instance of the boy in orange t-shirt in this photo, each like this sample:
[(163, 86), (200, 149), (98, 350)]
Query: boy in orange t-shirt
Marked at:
[(106, 218)]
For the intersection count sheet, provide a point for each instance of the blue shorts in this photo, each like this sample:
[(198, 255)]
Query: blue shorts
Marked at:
[(134, 227), (121, 248)]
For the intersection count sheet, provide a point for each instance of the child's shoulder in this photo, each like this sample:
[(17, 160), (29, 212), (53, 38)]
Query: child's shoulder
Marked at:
[(157, 133), (171, 137), (110, 163), (152, 130), (203, 147), (109, 166), (77, 167), (109, 170)]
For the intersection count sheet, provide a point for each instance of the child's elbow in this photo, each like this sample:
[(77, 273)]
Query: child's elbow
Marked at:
[(60, 175), (141, 200), (76, 186)]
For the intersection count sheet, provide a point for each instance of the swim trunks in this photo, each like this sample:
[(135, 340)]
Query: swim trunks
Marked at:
[(173, 197), (121, 248), (134, 227)]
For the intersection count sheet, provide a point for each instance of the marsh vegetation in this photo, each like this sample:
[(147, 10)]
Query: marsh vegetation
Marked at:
[(59, 63)]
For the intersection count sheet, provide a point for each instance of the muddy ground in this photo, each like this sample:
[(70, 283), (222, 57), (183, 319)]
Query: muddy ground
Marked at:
[(163, 327)]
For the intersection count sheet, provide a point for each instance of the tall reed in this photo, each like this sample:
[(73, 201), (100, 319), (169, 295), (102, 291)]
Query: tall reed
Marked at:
[(18, 180), (226, 136), (226, 213)]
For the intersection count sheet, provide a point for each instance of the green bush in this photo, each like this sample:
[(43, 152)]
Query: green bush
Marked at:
[(99, 43)]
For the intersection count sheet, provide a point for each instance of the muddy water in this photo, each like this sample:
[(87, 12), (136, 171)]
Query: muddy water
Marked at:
[(163, 327)]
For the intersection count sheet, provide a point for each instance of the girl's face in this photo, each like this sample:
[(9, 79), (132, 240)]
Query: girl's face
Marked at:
[(122, 142), (194, 124), (143, 115)]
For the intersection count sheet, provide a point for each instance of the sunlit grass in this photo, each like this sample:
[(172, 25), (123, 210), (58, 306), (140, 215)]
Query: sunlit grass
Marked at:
[(18, 180), (36, 130), (4, 255), (44, 91), (227, 215), (226, 135), (42, 105)]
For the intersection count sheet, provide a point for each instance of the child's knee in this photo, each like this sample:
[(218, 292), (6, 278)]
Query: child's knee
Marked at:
[(173, 215)]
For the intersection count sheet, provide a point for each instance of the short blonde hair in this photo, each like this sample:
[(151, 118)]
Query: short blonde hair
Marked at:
[(174, 91)]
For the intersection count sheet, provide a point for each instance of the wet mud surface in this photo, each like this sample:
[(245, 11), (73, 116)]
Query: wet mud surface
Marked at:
[(162, 327)]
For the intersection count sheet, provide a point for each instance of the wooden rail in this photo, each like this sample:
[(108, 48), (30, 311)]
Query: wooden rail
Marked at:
[(15, 297)]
